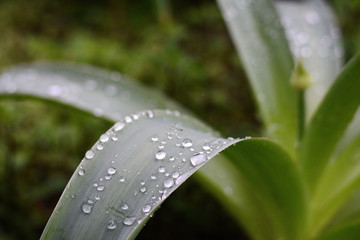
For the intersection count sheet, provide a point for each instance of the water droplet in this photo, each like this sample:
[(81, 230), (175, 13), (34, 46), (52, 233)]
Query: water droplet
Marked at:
[(128, 119), (160, 155), (107, 177), (115, 138), (161, 169), (175, 175), (97, 197), (124, 206), (111, 170), (111, 224), (146, 208), (122, 179), (186, 143), (104, 138), (118, 126), (150, 114), (99, 147), (206, 147), (197, 159), (142, 182), (81, 172), (155, 138), (172, 158), (90, 201), (153, 177), (168, 183), (89, 154), (73, 196), (129, 221), (95, 185), (100, 188), (86, 208), (143, 189)]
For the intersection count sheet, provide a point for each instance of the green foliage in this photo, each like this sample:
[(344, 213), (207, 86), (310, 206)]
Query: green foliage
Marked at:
[(301, 183)]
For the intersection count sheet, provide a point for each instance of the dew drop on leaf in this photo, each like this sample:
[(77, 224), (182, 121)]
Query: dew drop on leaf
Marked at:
[(81, 172), (86, 208), (118, 126), (206, 147), (100, 188), (89, 154), (186, 143), (129, 221), (161, 169), (160, 155), (146, 208), (122, 179), (111, 170), (124, 206), (197, 159), (104, 138), (168, 183), (155, 138), (111, 224)]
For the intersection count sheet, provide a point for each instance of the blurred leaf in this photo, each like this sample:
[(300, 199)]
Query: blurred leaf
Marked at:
[(340, 180), (350, 231), (314, 38), (330, 121), (263, 48)]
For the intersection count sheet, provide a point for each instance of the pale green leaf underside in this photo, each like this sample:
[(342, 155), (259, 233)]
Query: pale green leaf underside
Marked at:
[(314, 38), (263, 48), (103, 93), (135, 166)]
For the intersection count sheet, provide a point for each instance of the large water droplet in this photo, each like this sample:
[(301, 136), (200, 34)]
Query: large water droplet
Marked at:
[(146, 208), (175, 175), (104, 138), (206, 147), (111, 170), (111, 224), (81, 172), (86, 208), (186, 143), (197, 159), (160, 155), (118, 126), (89, 154), (168, 183), (129, 221)]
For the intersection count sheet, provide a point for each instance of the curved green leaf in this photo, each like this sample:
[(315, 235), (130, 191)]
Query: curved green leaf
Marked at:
[(274, 197), (105, 94), (263, 48), (314, 38), (330, 121), (339, 182), (349, 231), (128, 173)]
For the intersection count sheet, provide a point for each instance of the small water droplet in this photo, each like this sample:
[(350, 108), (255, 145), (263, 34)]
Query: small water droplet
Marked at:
[(143, 189), (104, 138), (95, 185), (107, 177), (142, 182), (124, 206), (118, 126), (153, 177), (73, 196), (111, 224), (161, 169), (155, 138), (186, 143), (150, 114), (97, 197), (111, 170), (100, 188), (89, 154), (86, 208), (197, 159), (168, 183), (90, 201), (129, 221), (114, 138), (99, 147), (128, 119), (146, 208), (122, 179), (81, 172), (160, 155), (175, 175), (172, 158)]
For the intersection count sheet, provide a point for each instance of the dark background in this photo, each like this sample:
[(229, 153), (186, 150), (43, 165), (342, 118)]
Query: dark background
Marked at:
[(181, 48)]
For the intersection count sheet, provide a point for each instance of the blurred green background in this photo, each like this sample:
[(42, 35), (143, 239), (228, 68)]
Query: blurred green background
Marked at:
[(181, 48)]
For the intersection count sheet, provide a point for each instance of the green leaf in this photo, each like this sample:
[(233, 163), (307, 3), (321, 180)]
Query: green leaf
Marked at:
[(105, 94), (330, 121), (314, 38), (263, 48), (349, 231), (340, 180), (274, 197), (128, 173)]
